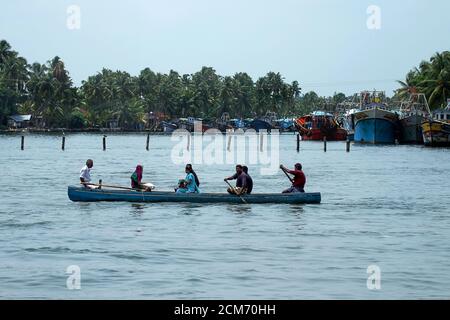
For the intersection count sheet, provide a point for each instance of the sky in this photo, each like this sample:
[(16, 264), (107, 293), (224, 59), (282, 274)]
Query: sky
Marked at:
[(326, 45)]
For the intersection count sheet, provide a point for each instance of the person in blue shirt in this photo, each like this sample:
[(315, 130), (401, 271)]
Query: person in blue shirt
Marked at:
[(188, 184), (197, 181)]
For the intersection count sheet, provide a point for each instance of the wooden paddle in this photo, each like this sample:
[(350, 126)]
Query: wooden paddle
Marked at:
[(287, 175), (234, 189), (109, 186)]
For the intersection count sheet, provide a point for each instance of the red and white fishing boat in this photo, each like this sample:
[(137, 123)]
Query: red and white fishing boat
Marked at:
[(318, 125)]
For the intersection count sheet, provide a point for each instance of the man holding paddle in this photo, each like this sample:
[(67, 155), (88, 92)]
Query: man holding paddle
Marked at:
[(298, 183), (242, 181)]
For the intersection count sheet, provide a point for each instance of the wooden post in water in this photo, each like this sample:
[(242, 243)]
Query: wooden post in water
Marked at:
[(188, 141), (22, 143), (324, 144), (229, 140), (261, 142), (104, 142), (298, 142), (348, 145), (63, 143), (148, 142), (431, 132)]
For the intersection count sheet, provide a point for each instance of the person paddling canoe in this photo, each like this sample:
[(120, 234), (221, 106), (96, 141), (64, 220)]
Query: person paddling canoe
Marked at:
[(298, 184), (242, 181), (136, 179)]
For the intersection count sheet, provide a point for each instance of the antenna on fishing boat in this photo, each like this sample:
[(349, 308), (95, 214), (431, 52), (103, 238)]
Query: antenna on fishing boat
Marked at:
[(417, 103)]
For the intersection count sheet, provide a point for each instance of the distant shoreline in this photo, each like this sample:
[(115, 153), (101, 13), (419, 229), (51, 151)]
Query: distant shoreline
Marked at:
[(98, 131)]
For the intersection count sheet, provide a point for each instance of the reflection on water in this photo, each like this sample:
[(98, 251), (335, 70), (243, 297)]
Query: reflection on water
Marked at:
[(189, 209), (296, 209), (137, 209), (240, 208), (84, 206)]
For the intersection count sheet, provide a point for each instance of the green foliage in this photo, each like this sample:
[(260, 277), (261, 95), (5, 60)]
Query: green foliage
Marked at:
[(47, 90), (13, 75), (77, 120), (431, 78)]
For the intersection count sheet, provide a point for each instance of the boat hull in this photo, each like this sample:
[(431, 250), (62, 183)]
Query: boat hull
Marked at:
[(168, 127), (259, 125), (411, 129), (436, 133), (81, 194), (319, 125), (338, 134), (351, 135), (375, 126)]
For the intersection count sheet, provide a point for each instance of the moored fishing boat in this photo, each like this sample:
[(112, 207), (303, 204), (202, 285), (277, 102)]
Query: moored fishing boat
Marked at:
[(412, 114), (348, 123), (237, 124), (436, 130), (285, 125), (222, 124), (82, 194), (260, 124), (374, 122), (318, 125), (267, 122), (346, 115), (168, 127)]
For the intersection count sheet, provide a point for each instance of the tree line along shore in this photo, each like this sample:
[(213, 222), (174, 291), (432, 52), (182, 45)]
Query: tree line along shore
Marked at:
[(47, 93)]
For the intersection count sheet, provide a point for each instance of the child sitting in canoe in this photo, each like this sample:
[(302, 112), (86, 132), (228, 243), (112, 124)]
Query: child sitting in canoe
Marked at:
[(188, 184), (136, 180)]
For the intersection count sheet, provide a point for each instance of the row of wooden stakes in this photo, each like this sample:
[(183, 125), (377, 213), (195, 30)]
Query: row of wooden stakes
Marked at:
[(347, 144), (147, 145)]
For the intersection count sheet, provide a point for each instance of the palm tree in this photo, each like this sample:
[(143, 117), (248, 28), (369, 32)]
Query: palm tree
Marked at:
[(13, 77), (408, 86), (245, 94), (227, 97), (436, 82), (58, 70), (431, 78), (16, 71), (5, 51), (130, 113)]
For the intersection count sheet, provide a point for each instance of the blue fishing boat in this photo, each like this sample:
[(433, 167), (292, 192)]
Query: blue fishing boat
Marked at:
[(260, 124), (285, 125), (264, 123), (237, 124), (82, 194), (374, 123)]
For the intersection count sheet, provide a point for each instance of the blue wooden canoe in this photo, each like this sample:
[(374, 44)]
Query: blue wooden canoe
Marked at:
[(89, 195)]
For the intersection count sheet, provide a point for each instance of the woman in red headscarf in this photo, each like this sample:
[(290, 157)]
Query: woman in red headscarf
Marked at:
[(136, 178)]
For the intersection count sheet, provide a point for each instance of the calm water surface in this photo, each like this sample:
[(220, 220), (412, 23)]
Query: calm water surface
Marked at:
[(385, 206)]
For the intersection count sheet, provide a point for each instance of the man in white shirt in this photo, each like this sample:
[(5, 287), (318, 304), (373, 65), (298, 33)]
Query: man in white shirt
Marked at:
[(85, 173)]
